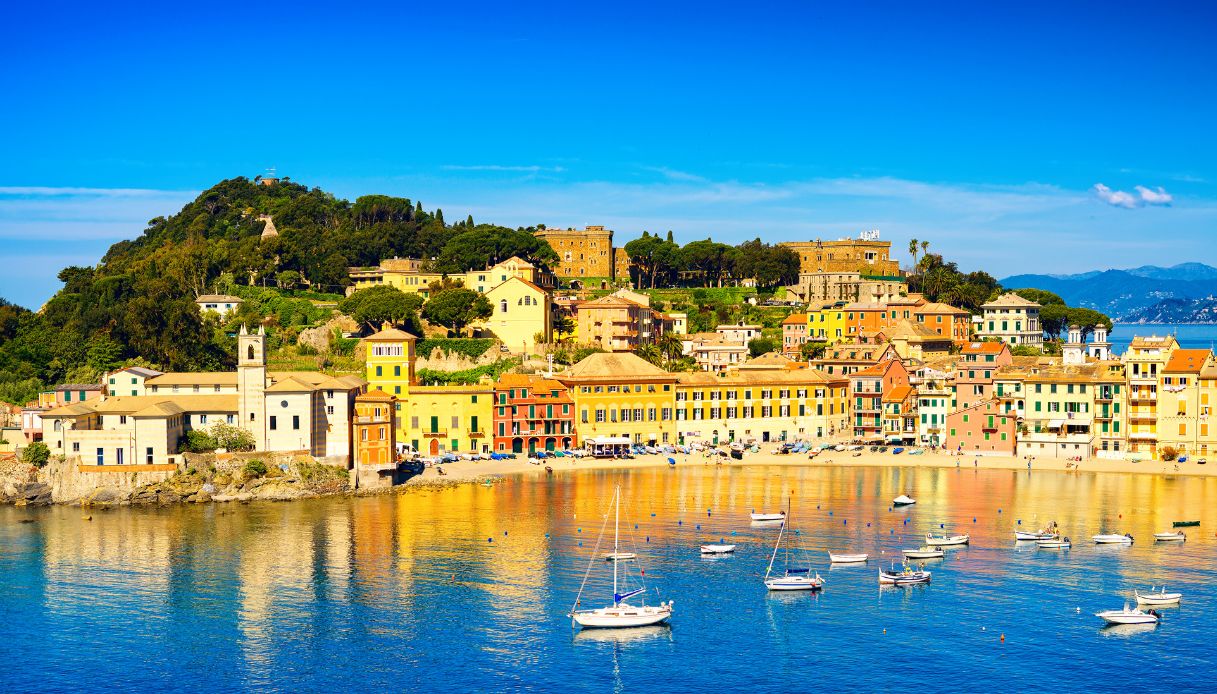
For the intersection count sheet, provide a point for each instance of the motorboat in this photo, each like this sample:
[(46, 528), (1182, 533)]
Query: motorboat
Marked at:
[(1128, 616), (907, 577), (1112, 539), (619, 614), (1056, 543), (1175, 536), (620, 556), (1158, 597), (903, 500), (768, 517), (847, 558), (923, 553), (946, 540), (1048, 533), (717, 549), (794, 577)]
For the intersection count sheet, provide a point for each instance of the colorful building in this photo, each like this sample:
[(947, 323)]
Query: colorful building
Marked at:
[(390, 367), (521, 314), (794, 334), (1183, 402), (1144, 362), (866, 389), (1011, 319), (866, 255), (760, 404), (532, 413), (374, 436), (448, 419), (621, 395), (981, 429)]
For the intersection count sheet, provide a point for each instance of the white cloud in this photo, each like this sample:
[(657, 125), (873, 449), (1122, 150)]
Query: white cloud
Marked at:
[(1154, 197), (1115, 198), (1143, 196)]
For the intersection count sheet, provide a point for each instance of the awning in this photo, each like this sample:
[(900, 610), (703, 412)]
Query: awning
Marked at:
[(1056, 423), (608, 440)]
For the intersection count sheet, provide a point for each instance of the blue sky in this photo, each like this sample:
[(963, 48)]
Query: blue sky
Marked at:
[(1013, 138)]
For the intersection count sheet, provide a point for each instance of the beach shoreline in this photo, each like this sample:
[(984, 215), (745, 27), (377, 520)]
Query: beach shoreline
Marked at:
[(478, 470)]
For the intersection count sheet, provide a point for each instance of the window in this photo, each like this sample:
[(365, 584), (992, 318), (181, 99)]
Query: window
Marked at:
[(274, 421), (101, 456)]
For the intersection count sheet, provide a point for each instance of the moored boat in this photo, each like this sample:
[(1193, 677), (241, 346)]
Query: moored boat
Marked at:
[(1186, 524), (1057, 543), (1159, 597), (781, 515), (1175, 536), (923, 553), (793, 577), (946, 540), (619, 614), (1128, 616), (1049, 532), (620, 556), (903, 500), (847, 558), (907, 577), (717, 549), (1112, 539)]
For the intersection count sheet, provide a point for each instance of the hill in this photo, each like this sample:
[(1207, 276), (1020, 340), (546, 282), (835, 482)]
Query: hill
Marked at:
[(1177, 311), (1127, 294)]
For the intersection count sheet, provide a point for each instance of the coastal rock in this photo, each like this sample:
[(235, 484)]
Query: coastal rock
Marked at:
[(104, 495), (202, 497)]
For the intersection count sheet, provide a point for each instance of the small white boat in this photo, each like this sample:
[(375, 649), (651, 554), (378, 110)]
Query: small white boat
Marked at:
[(923, 553), (1058, 543), (1021, 536), (717, 549), (764, 517), (1160, 597), (903, 500), (1173, 536), (946, 540), (907, 577), (620, 556), (1128, 616), (1112, 539), (847, 558)]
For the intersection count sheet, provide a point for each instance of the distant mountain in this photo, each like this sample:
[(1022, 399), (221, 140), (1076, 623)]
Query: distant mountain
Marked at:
[(1176, 311), (1126, 295)]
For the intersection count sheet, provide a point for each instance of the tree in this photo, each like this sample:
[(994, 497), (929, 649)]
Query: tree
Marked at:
[(1042, 297), (563, 325), (485, 245), (288, 279), (1054, 318), (36, 454), (1086, 319), (913, 250), (456, 308), (812, 350), (761, 345), (376, 306), (104, 354)]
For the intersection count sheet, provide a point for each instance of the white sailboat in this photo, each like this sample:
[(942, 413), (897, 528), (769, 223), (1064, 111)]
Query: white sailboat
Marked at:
[(620, 614), (792, 578), (1157, 597), (848, 558), (933, 540), (1112, 539)]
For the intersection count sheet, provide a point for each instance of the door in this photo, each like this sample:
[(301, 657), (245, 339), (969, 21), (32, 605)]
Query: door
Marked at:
[(434, 445), (434, 425)]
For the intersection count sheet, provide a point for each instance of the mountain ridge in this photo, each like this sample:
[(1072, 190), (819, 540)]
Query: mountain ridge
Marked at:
[(1129, 295)]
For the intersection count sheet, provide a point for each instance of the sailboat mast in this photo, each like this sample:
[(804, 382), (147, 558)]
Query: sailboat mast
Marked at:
[(616, 526), (775, 549)]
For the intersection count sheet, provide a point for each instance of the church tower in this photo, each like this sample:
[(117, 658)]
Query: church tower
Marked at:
[(251, 384), (1073, 351)]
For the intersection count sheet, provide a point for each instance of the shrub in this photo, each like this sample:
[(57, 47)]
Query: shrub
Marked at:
[(1170, 453), (36, 454), (255, 468), (231, 437), (197, 441)]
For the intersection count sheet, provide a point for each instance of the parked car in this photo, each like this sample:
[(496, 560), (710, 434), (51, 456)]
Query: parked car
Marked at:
[(897, 450)]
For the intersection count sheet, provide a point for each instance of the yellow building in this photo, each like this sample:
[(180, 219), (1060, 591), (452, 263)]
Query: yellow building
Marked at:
[(407, 275), (448, 419), (1068, 409), (1185, 402), (621, 395), (759, 405), (390, 366), (828, 324), (521, 313), (1144, 361)]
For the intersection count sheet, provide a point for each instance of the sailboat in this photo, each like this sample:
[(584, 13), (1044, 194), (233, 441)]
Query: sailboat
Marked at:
[(792, 578), (620, 614)]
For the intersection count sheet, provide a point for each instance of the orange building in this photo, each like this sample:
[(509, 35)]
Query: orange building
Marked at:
[(980, 429), (945, 319), (374, 432)]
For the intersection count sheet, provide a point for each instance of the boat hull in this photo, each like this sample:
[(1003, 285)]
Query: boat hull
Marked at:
[(717, 549), (903, 501), (890, 579), (1112, 540), (917, 554), (768, 517), (1169, 537), (788, 583), (953, 541), (1121, 617), (848, 558), (1159, 598), (620, 556), (622, 616), (1053, 544), (1029, 537)]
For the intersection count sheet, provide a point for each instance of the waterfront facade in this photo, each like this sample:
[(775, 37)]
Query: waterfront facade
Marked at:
[(621, 395), (449, 419), (1011, 319), (532, 413)]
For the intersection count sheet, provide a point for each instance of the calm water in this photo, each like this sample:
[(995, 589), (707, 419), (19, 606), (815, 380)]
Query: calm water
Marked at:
[(406, 593), (1189, 336)]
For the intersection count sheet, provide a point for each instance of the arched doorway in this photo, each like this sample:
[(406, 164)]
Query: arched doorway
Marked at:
[(517, 445), (532, 446), (549, 444), (566, 444), (434, 446)]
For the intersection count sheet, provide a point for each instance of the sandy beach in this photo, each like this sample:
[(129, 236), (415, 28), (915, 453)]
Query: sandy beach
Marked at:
[(467, 470)]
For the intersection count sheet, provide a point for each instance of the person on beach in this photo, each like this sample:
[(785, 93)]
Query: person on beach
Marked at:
[(976, 462)]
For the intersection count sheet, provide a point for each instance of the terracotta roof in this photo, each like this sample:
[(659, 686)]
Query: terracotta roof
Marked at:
[(795, 319), (616, 366), (1187, 360), (801, 377), (909, 330), (166, 405), (138, 371), (77, 386), (206, 378), (219, 298), (898, 394), (983, 348), (1010, 299), (74, 410), (937, 307), (373, 395), (390, 335)]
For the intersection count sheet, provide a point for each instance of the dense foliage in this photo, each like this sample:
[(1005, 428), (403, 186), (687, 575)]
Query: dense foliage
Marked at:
[(659, 262), (471, 347)]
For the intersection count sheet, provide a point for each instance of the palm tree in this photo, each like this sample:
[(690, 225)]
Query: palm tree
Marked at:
[(913, 250), (925, 248), (670, 346), (650, 353)]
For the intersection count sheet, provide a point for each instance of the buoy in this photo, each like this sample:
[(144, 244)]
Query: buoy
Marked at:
[(635, 526), (999, 510), (982, 628), (699, 526), (1003, 638), (817, 507), (648, 538), (868, 525), (830, 513), (580, 529), (490, 539), (504, 533), (973, 520), (732, 532), (680, 522), (885, 631), (652, 515), (845, 522), (580, 543), (940, 525), (1020, 521), (546, 536)]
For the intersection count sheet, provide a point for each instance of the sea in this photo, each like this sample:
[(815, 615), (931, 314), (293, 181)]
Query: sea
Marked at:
[(1189, 335), (468, 589)]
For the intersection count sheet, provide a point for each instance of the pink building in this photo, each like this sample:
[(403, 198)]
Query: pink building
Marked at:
[(866, 389), (981, 429), (978, 362)]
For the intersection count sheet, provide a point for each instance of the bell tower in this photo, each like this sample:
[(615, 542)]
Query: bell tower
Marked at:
[(251, 384)]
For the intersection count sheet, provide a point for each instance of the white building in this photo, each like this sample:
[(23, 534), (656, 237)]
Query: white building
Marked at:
[(222, 304)]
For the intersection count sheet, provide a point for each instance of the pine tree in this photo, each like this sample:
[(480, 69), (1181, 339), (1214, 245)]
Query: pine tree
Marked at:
[(469, 221)]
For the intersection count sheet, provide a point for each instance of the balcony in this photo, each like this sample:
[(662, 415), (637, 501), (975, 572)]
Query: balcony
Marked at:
[(435, 434)]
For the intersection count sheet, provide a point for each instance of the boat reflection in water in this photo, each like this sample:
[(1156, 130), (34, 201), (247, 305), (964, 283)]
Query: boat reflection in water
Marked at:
[(1124, 631)]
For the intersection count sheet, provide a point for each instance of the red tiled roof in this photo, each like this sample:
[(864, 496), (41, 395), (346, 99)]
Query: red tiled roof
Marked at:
[(1187, 360)]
